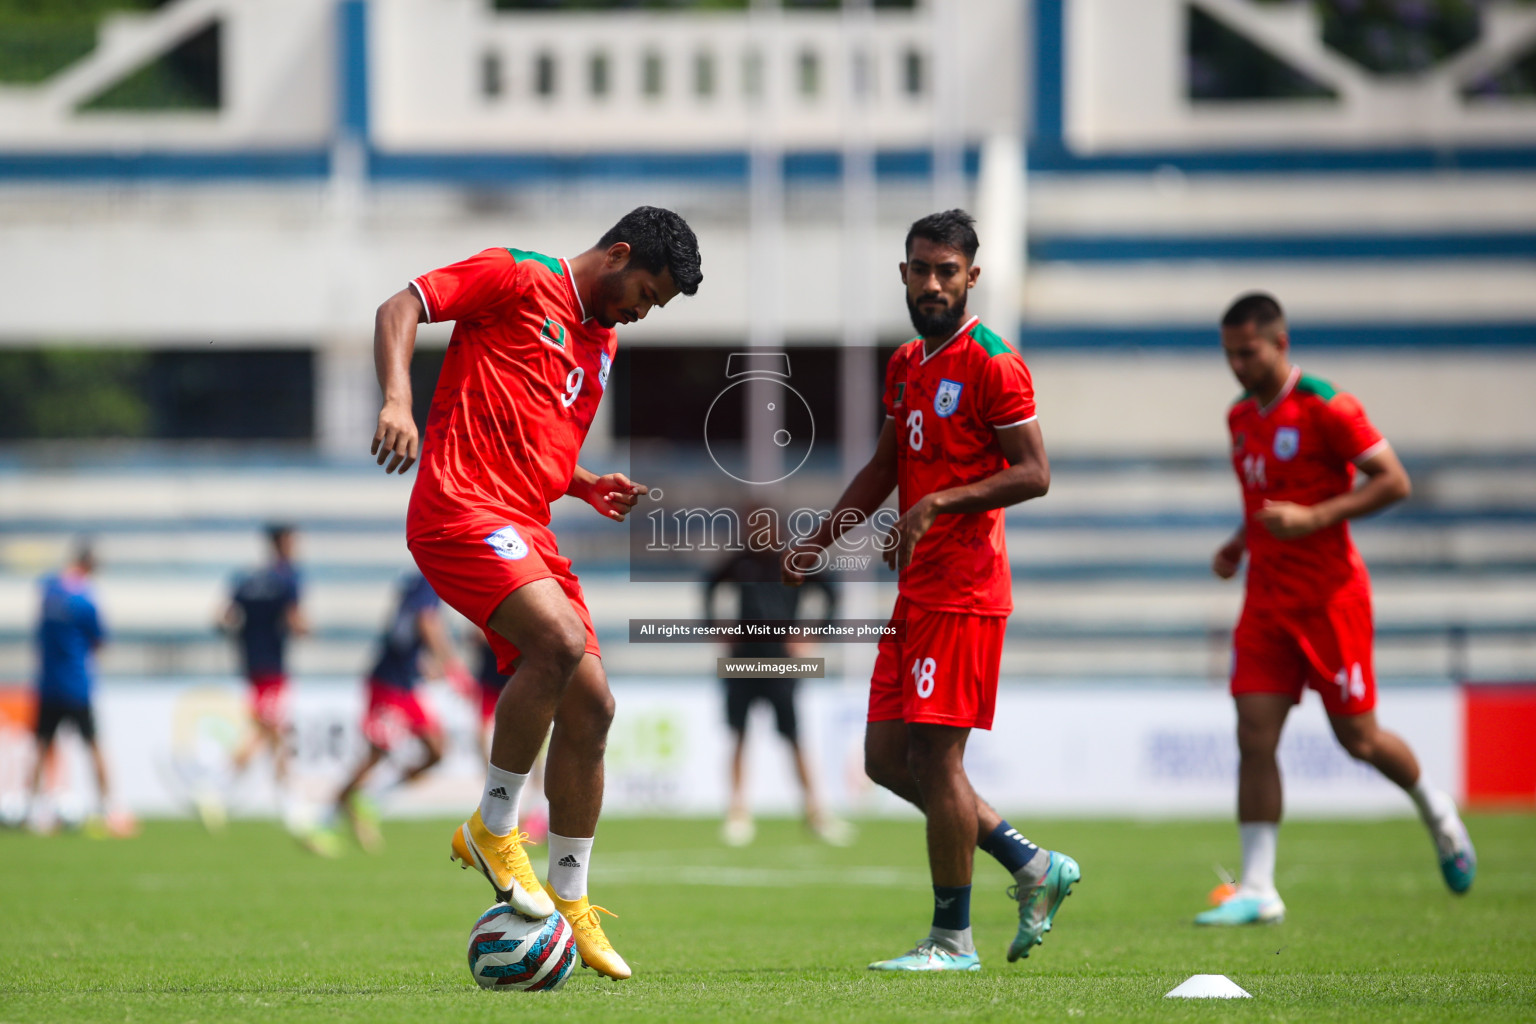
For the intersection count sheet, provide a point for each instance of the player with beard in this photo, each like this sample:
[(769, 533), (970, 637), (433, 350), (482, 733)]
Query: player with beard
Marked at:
[(528, 362), (961, 443)]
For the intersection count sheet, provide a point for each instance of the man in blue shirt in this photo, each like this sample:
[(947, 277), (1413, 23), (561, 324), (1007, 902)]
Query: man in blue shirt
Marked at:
[(263, 613), (69, 631), (395, 711)]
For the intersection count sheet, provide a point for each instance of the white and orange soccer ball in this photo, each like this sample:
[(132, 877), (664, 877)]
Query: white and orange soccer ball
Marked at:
[(512, 953)]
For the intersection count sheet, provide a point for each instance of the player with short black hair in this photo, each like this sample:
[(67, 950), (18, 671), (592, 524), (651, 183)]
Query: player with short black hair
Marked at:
[(659, 241), (961, 443), (1306, 622), (528, 362), (953, 229), (1257, 309)]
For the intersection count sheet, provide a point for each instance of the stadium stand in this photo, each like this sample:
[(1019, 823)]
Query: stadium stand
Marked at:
[(335, 161)]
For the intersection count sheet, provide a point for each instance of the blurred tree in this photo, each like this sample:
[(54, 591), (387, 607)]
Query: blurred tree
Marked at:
[(1400, 37), (1386, 37), (72, 393), (1226, 65), (1518, 78), (39, 38), (187, 77)]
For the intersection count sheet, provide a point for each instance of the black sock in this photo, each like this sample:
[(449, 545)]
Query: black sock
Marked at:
[(1008, 848), (952, 907)]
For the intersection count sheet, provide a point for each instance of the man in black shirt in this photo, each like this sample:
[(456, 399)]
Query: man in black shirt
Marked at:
[(756, 577)]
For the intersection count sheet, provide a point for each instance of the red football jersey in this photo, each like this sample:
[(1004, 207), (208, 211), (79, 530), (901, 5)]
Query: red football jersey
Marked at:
[(947, 407), (1302, 448), (524, 372)]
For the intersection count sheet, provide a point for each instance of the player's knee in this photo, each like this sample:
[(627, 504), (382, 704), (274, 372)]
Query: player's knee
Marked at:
[(882, 768), (600, 714), (586, 724), (1255, 740), (561, 646), (1359, 745)]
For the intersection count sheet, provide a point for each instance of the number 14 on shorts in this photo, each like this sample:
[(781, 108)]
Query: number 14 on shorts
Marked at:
[(922, 675), (1351, 683)]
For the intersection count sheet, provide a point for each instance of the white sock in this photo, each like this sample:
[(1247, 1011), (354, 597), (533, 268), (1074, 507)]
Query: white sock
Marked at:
[(1260, 838), (568, 860), (498, 804), (1435, 805), (1035, 869), (956, 940)]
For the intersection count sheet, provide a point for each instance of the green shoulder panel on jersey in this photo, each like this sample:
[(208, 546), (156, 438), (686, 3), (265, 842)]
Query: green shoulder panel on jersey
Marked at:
[(1308, 385), (990, 342), (549, 262)]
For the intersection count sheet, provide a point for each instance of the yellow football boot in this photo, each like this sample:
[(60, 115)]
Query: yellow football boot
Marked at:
[(596, 951), (502, 861)]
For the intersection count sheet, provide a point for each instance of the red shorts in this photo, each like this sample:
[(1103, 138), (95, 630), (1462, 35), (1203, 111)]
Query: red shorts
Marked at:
[(393, 714), (943, 671), (269, 699), (1327, 648), (475, 561)]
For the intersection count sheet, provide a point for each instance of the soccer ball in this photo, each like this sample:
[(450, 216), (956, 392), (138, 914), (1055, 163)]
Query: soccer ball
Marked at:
[(509, 952)]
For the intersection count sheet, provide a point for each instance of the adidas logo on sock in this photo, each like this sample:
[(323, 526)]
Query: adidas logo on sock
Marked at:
[(570, 861), (499, 793)]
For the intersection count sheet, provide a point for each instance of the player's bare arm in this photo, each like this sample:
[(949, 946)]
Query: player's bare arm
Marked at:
[(613, 494), (1386, 483), (1229, 557), (1027, 475), (298, 625), (394, 341), (866, 492)]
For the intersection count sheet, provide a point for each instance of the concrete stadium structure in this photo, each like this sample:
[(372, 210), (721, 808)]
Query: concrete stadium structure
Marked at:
[(360, 142)]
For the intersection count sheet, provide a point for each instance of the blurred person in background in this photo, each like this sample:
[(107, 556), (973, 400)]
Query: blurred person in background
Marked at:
[(262, 614), (1306, 619), (395, 710), (762, 596), (69, 632), (533, 343)]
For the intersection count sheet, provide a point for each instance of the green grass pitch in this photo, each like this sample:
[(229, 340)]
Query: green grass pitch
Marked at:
[(177, 925)]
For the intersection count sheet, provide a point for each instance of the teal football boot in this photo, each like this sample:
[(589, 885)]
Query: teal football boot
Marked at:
[(1242, 909), (1458, 860), (1038, 906), (929, 955)]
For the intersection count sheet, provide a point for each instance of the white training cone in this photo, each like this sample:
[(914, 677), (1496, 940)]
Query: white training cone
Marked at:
[(1209, 986)]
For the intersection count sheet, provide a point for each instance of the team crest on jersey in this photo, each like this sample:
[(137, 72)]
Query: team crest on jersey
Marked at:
[(947, 400), (553, 333), (1287, 443), (508, 543), (604, 364)]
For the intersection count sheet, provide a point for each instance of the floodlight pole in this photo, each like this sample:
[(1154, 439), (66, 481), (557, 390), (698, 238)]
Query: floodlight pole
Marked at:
[(765, 235), (346, 389), (860, 419), (947, 71)]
